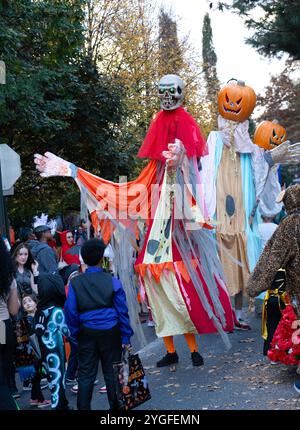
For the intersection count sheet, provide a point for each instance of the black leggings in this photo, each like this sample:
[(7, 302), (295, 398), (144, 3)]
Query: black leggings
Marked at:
[(273, 317), (36, 391)]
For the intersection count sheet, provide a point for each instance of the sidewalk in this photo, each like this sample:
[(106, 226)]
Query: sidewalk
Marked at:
[(241, 378)]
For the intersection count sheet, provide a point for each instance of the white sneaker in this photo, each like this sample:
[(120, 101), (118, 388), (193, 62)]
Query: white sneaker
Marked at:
[(103, 390), (241, 325), (297, 386), (27, 387), (74, 389), (151, 323)]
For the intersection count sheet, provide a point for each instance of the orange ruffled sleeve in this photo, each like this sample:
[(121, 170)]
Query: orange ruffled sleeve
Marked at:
[(122, 201)]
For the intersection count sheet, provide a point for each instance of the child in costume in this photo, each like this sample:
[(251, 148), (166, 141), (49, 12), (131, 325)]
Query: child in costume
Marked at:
[(274, 303), (67, 243), (50, 327), (29, 305)]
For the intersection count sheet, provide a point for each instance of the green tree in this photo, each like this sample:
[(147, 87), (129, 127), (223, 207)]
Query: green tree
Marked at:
[(39, 43), (177, 55), (125, 45), (209, 57), (281, 100), (54, 100), (92, 139), (171, 57), (277, 30)]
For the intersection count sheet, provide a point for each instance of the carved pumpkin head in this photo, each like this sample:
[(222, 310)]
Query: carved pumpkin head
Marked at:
[(269, 134), (236, 101)]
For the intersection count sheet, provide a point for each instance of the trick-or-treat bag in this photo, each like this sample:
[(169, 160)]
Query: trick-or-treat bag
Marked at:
[(131, 381)]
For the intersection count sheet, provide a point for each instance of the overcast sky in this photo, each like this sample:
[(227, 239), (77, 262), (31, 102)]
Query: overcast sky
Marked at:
[(236, 59)]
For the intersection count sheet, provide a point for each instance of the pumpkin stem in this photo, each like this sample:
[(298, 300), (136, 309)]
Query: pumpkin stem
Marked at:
[(240, 83), (231, 79)]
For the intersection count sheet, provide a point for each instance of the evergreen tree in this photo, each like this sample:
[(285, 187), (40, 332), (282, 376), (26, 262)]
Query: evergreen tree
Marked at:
[(210, 70), (277, 31), (54, 100), (281, 100), (171, 60)]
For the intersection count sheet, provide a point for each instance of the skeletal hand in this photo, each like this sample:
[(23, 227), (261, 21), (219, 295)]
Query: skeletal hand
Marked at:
[(286, 153), (51, 165), (174, 155)]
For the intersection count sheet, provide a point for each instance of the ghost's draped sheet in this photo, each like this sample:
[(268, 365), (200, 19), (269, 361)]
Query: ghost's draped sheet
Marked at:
[(234, 175)]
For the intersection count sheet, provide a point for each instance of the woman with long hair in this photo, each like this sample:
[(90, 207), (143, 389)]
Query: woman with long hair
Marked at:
[(26, 277), (9, 304), (25, 270)]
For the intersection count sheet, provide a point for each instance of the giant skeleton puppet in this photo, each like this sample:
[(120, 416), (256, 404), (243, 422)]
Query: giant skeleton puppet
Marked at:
[(237, 177), (178, 266)]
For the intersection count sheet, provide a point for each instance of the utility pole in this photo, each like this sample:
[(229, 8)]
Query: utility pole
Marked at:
[(3, 217)]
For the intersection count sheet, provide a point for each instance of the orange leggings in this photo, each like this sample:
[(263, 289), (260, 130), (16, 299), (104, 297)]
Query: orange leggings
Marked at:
[(190, 340)]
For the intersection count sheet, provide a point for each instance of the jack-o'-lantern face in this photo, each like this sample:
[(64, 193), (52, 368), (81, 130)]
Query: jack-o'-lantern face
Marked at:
[(236, 101), (269, 134)]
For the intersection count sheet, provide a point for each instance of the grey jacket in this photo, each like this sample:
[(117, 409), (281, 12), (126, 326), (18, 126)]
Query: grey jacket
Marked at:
[(45, 256)]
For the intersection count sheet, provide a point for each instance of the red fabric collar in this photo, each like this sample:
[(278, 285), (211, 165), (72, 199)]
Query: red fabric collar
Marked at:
[(168, 125)]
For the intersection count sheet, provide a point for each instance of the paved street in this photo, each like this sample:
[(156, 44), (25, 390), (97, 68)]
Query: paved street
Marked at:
[(241, 378)]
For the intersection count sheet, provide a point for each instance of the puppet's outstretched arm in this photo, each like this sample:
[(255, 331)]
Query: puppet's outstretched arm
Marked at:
[(51, 165), (286, 153)]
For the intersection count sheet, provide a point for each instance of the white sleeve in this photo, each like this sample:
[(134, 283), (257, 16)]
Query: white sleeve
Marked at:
[(267, 204), (108, 252), (260, 168), (267, 186), (207, 175)]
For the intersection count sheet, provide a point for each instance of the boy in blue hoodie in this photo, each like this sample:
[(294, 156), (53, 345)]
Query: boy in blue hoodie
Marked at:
[(97, 316)]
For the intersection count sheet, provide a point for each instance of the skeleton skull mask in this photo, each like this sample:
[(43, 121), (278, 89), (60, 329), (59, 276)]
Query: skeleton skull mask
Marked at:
[(170, 92)]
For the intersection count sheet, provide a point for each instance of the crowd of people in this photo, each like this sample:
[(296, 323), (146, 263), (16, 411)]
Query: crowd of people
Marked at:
[(50, 309)]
